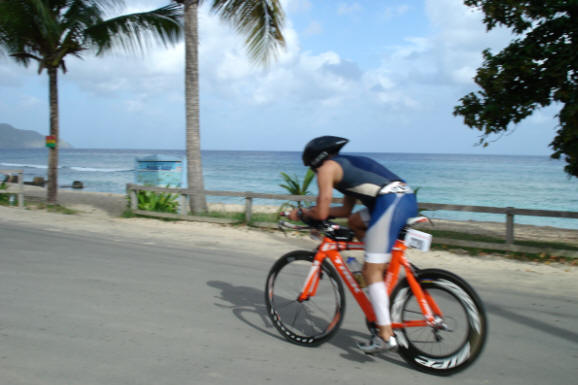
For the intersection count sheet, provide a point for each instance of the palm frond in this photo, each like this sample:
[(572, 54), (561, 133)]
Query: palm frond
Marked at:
[(307, 181), (286, 187), (51, 30), (133, 31), (261, 21), (292, 185), (285, 176), (24, 57), (26, 28)]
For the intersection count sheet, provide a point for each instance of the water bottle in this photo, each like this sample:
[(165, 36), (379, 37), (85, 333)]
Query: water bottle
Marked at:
[(11, 199), (355, 268)]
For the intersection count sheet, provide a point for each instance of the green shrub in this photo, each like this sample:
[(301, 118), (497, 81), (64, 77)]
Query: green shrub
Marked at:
[(4, 198), (295, 187), (160, 202)]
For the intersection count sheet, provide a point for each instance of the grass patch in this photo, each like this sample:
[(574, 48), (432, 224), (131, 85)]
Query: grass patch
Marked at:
[(553, 245), (265, 217), (4, 197), (55, 209), (236, 216), (5, 200), (490, 239), (526, 257), (462, 236), (127, 213), (546, 258), (51, 208), (273, 218), (240, 216)]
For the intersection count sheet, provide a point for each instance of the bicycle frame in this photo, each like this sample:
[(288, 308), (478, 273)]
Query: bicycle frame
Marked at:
[(330, 249)]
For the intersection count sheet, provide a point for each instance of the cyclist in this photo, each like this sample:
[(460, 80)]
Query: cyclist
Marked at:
[(388, 202)]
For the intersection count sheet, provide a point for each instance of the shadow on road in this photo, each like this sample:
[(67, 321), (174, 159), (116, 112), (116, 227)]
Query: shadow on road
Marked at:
[(246, 300), (532, 322)]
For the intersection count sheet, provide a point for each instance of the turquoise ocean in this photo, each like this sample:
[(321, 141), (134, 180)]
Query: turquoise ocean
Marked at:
[(529, 182)]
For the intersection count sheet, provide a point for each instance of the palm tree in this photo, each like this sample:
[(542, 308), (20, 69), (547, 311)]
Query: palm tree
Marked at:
[(295, 187), (261, 22), (47, 31)]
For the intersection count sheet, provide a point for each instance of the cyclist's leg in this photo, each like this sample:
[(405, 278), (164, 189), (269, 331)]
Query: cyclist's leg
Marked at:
[(373, 274), (389, 216), (358, 222)]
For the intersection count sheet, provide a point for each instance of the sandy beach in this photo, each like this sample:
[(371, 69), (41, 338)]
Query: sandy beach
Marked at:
[(98, 213)]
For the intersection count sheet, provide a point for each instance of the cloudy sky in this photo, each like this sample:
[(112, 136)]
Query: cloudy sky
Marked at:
[(385, 74)]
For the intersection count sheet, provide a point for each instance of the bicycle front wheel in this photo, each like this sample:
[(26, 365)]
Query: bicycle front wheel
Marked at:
[(309, 322), (460, 332)]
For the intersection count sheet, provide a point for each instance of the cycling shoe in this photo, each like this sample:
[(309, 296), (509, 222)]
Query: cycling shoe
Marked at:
[(377, 344)]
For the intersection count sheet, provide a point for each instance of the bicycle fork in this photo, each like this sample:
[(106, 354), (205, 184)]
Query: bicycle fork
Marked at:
[(312, 281)]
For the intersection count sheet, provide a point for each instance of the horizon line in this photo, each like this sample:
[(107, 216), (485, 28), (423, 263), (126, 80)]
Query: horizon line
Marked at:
[(285, 151)]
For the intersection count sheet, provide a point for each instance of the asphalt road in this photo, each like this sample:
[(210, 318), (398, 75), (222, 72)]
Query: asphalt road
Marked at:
[(76, 308)]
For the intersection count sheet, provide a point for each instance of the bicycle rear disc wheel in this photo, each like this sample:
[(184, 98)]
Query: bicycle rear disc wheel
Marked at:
[(309, 322), (460, 336)]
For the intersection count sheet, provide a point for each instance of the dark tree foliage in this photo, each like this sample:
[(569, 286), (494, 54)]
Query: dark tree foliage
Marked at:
[(538, 68)]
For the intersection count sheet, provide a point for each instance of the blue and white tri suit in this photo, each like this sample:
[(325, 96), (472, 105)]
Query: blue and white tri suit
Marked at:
[(388, 200)]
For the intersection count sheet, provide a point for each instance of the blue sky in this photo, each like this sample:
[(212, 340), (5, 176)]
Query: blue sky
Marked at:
[(385, 74)]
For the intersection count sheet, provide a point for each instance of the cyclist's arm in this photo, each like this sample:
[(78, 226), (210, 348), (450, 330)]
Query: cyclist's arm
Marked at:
[(327, 175), (344, 210), (335, 212), (325, 180)]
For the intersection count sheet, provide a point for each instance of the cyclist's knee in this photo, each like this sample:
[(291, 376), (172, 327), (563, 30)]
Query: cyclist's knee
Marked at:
[(374, 272), (355, 222)]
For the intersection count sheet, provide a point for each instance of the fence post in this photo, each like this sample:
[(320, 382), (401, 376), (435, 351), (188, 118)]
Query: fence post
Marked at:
[(183, 205), (248, 208), (509, 225), (133, 199), (20, 190)]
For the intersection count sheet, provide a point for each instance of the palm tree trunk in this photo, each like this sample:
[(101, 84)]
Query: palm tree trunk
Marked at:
[(52, 188), (198, 201)]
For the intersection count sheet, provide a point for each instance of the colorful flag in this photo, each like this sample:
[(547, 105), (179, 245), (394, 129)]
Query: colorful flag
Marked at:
[(51, 141)]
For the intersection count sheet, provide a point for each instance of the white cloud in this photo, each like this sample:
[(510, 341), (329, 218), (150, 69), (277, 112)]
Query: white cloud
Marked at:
[(417, 77), (447, 58), (323, 79), (463, 75), (461, 27)]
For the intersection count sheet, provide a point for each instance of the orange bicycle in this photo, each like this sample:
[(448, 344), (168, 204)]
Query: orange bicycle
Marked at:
[(438, 319)]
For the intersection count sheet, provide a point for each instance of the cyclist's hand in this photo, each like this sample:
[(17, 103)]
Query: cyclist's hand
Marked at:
[(294, 215), (300, 215)]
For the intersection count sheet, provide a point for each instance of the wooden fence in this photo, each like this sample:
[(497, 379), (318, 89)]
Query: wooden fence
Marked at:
[(509, 213), (20, 191)]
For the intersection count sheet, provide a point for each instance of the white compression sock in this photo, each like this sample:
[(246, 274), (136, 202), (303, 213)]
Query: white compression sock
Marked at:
[(380, 301)]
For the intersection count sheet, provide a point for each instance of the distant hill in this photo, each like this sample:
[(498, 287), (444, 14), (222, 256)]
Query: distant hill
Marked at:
[(11, 137)]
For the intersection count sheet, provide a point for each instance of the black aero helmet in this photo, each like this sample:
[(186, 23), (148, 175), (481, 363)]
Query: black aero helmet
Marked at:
[(319, 149)]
